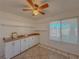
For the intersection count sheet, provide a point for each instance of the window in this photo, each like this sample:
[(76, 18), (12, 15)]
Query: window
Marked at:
[(69, 31), (64, 30), (55, 30)]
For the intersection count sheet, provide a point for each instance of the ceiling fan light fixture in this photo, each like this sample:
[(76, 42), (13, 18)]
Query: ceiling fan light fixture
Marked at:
[(35, 12)]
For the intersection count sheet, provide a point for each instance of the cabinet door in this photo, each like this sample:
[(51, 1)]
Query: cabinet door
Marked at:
[(35, 40), (9, 50), (30, 42), (23, 45), (27, 41), (16, 47)]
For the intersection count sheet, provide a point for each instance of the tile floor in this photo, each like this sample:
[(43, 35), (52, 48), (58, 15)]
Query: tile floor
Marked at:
[(38, 52)]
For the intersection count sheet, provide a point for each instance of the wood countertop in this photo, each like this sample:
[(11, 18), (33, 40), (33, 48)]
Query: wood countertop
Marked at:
[(9, 39)]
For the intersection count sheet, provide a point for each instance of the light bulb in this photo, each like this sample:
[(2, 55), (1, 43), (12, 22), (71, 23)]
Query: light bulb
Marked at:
[(35, 12)]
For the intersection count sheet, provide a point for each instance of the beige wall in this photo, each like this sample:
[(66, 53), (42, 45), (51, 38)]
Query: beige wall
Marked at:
[(12, 23), (39, 25), (44, 37)]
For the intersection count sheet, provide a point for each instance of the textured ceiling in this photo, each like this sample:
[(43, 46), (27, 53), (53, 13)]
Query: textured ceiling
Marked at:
[(55, 7)]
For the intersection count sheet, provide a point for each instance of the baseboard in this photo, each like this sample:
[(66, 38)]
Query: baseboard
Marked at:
[(54, 50)]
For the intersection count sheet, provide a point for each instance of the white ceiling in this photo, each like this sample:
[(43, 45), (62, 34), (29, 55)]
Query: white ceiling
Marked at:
[(55, 7)]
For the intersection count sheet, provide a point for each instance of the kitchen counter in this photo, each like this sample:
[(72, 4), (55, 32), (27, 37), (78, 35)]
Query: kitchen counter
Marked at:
[(9, 39)]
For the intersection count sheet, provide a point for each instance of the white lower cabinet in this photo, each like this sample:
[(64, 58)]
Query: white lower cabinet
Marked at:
[(33, 40), (9, 50), (36, 40), (16, 47), (12, 49), (29, 42), (23, 45)]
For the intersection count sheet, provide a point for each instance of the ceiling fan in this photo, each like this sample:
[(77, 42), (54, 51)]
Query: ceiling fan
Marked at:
[(36, 8)]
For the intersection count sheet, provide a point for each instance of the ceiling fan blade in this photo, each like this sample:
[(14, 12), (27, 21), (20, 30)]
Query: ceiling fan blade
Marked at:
[(26, 9), (31, 3), (41, 12), (44, 6)]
